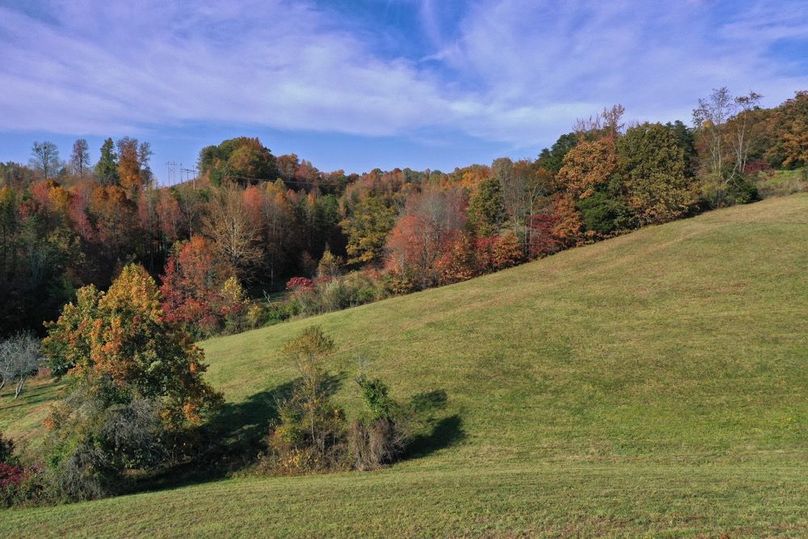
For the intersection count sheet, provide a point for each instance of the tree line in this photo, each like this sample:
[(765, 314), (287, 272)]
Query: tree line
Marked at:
[(254, 225)]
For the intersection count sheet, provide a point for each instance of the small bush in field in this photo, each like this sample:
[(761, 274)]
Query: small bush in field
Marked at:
[(351, 290), (11, 477), (335, 293), (310, 433), (18, 484), (381, 438)]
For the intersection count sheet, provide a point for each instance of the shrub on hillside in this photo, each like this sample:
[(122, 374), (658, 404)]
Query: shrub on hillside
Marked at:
[(11, 478), (381, 438), (720, 193), (741, 189), (19, 484), (335, 293), (94, 442), (310, 433), (351, 290)]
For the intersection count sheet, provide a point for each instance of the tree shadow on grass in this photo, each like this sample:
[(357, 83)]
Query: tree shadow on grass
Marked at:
[(445, 433), (35, 392), (432, 433)]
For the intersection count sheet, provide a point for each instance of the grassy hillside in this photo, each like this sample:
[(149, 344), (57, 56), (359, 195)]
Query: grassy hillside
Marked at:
[(656, 383)]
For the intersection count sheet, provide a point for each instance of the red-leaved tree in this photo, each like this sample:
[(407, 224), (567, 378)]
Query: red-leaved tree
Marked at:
[(431, 222), (199, 290)]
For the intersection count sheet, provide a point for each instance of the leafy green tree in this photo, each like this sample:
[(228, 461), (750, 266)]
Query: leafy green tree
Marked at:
[(552, 158), (367, 228), (487, 208), (243, 160), (604, 213), (652, 172), (687, 141)]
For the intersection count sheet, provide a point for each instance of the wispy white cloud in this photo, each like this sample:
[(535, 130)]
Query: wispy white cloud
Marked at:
[(275, 64), (540, 63), (509, 71)]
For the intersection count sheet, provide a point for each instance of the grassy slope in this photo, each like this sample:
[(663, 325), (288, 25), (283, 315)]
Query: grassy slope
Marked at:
[(653, 383)]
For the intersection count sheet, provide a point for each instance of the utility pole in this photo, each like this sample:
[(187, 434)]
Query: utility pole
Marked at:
[(172, 172)]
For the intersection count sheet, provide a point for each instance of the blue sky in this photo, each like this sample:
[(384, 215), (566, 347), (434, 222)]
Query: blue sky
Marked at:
[(357, 84)]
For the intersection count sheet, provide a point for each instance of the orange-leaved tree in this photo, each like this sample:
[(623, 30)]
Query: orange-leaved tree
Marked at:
[(588, 167), (119, 343)]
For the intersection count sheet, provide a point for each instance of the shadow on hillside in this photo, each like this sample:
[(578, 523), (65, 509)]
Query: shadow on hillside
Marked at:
[(35, 392), (445, 433), (434, 433)]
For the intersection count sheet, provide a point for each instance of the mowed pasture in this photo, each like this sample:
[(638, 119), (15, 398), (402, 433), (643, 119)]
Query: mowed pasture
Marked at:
[(652, 384)]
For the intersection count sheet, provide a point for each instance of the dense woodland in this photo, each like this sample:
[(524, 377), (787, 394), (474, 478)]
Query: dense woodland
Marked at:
[(258, 238)]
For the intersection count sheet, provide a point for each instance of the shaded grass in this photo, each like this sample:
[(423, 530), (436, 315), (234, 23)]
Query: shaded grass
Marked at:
[(21, 419), (655, 383)]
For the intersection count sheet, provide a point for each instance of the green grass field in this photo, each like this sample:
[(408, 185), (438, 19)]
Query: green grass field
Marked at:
[(654, 384)]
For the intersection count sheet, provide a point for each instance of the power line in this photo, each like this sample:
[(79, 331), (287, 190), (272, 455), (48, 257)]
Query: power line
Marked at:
[(172, 172)]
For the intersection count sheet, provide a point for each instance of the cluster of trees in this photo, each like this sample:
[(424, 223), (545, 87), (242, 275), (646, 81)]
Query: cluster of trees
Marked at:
[(65, 227), (136, 395), (135, 392), (225, 245)]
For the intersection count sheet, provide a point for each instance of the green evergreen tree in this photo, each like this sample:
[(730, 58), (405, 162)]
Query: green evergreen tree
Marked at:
[(552, 158), (106, 170)]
